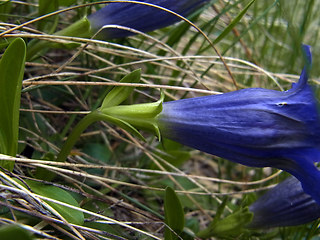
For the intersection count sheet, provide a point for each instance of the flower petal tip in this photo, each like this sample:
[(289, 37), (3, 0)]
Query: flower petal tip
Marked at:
[(307, 51)]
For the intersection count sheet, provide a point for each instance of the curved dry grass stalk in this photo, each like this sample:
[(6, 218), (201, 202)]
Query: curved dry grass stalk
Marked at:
[(26, 192), (178, 173), (135, 2), (33, 230), (154, 59)]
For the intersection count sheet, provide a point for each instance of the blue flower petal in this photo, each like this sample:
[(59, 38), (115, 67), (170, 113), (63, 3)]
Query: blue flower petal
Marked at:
[(304, 75), (141, 17), (255, 127), (284, 205)]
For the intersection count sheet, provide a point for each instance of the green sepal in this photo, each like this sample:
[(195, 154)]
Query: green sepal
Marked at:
[(142, 116), (81, 28), (143, 110), (122, 124), (174, 214), (120, 93)]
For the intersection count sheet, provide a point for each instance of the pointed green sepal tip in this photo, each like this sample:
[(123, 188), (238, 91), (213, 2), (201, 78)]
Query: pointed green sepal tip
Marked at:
[(80, 28), (120, 93)]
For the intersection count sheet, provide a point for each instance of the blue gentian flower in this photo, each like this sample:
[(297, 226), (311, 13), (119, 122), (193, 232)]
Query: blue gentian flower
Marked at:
[(255, 127), (141, 17), (284, 205)]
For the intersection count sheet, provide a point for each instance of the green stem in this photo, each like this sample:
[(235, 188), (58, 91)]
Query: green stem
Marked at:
[(92, 117)]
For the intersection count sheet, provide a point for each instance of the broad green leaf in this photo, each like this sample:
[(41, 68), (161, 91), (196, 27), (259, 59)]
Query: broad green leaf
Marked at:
[(174, 215), (71, 215), (14, 231), (233, 23), (11, 74), (98, 151), (118, 94)]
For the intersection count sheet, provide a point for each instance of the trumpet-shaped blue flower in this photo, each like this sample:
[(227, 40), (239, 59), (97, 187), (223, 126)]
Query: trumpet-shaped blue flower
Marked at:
[(255, 127), (141, 17), (284, 205)]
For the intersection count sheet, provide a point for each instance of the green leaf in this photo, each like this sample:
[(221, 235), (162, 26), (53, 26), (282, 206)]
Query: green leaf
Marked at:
[(5, 8), (230, 227), (43, 173), (14, 231), (174, 215), (11, 74), (173, 152), (233, 23), (45, 7), (66, 3), (71, 215), (118, 94)]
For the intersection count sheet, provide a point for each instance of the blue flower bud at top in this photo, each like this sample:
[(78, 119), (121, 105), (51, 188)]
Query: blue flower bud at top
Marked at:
[(284, 205), (141, 17), (255, 127)]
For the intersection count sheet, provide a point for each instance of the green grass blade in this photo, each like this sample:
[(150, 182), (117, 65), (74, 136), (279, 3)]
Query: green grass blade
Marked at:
[(233, 23), (11, 74)]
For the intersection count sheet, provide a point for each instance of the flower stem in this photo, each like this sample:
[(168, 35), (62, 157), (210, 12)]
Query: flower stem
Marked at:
[(92, 117)]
